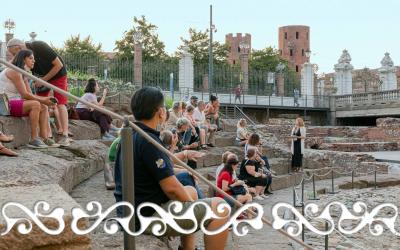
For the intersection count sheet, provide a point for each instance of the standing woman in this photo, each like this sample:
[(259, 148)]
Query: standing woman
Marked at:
[(298, 135)]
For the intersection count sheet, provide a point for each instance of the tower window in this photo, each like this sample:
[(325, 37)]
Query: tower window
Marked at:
[(234, 62), (302, 52), (297, 35), (285, 35), (291, 52), (297, 68), (280, 52), (239, 49)]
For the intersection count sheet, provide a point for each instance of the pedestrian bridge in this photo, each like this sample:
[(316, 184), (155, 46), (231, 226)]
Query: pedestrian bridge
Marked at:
[(373, 104), (257, 101)]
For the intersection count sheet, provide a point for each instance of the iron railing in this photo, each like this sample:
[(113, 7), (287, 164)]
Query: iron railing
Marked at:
[(369, 98), (226, 96)]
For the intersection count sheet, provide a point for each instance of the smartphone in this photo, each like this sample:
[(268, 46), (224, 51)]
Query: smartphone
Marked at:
[(53, 100)]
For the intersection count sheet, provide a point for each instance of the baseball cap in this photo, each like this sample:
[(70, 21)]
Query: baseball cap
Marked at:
[(15, 42), (194, 97)]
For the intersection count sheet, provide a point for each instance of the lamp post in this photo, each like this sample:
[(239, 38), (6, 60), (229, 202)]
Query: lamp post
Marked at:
[(244, 63), (10, 25), (137, 61), (212, 30)]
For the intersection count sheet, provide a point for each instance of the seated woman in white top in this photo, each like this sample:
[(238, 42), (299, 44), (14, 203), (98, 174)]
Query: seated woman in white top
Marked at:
[(242, 135), (87, 113), (23, 102)]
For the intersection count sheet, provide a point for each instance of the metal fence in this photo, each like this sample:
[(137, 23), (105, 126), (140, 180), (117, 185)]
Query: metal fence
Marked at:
[(163, 74)]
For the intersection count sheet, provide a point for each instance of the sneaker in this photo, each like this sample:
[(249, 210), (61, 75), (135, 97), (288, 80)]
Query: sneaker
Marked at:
[(64, 142), (268, 192), (259, 198), (108, 137), (264, 196), (37, 144), (51, 143)]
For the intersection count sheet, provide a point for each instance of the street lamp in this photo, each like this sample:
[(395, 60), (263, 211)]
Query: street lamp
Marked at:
[(137, 37), (244, 62), (10, 25), (308, 54), (212, 30), (244, 46)]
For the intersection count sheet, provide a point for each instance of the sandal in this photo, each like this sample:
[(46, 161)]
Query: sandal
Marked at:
[(7, 152), (6, 138), (70, 134), (204, 146)]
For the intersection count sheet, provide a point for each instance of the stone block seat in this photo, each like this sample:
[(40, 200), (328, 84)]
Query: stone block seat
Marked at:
[(49, 175), (20, 128)]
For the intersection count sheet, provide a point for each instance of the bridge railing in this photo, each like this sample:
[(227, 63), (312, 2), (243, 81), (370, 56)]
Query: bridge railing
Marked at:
[(227, 96), (369, 98)]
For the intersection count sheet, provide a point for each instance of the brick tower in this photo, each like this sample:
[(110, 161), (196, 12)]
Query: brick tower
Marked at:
[(294, 41), (234, 41)]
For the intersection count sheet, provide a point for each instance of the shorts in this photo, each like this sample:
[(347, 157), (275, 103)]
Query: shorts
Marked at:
[(16, 107), (62, 83), (199, 212)]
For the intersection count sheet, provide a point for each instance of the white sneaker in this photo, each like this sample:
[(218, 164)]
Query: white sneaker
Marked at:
[(264, 196), (64, 142), (259, 198)]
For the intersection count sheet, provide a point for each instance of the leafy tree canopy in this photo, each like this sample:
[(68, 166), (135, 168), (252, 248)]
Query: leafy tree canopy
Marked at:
[(153, 47)]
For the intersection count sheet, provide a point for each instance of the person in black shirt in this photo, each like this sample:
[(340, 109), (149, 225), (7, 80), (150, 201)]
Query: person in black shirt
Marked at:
[(50, 67), (154, 179), (252, 174)]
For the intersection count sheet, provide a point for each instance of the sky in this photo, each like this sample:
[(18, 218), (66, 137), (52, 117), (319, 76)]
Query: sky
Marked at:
[(367, 29)]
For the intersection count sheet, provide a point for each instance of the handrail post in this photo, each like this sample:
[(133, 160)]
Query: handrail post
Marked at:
[(333, 184), (326, 236), (314, 191), (128, 193)]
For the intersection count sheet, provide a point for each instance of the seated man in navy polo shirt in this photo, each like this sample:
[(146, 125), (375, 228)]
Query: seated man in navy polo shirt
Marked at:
[(154, 179)]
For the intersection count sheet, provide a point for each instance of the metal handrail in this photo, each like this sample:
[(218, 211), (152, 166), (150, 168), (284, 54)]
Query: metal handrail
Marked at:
[(244, 115), (154, 143)]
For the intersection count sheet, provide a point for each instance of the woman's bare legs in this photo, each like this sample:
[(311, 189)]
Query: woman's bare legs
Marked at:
[(33, 108), (44, 122)]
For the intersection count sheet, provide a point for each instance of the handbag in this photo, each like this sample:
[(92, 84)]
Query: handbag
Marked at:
[(72, 113), (4, 108), (238, 190)]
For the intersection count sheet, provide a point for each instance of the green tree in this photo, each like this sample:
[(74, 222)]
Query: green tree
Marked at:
[(265, 59), (153, 47), (198, 44), (75, 46)]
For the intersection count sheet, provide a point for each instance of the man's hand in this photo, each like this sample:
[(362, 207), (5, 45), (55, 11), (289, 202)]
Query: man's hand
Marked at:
[(37, 85), (47, 101)]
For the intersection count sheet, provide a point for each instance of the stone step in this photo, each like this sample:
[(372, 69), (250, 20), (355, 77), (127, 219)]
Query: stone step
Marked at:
[(280, 165), (20, 128), (66, 167), (225, 139), (285, 181), (213, 156), (38, 239)]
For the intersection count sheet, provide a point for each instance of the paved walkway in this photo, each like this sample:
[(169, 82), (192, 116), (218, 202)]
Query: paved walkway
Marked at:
[(387, 156), (266, 238)]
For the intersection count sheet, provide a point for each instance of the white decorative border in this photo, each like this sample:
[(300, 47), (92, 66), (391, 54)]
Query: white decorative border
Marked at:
[(158, 228), (359, 216)]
